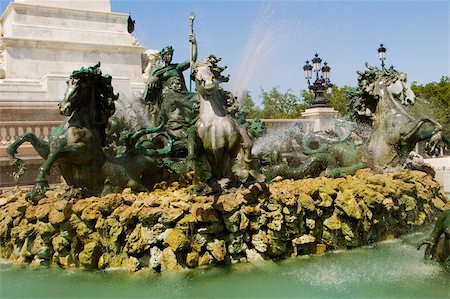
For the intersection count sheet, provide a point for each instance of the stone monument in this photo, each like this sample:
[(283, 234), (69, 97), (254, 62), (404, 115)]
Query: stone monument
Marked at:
[(42, 42)]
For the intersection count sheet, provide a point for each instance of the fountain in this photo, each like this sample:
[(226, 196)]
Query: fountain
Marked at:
[(377, 108), (188, 192), (177, 226)]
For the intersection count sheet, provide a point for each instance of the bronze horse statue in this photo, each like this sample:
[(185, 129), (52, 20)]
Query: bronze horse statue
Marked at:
[(76, 146), (395, 133), (378, 107), (221, 137), (438, 243)]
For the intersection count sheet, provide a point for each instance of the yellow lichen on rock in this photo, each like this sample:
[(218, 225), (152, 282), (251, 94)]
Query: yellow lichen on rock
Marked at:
[(169, 228)]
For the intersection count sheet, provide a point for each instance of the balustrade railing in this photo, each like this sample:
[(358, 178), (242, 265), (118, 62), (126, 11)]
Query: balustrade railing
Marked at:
[(11, 131)]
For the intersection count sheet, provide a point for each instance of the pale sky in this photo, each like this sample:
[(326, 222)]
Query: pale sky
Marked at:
[(265, 43)]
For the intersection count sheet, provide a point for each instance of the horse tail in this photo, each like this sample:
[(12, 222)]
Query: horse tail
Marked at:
[(148, 145), (133, 138)]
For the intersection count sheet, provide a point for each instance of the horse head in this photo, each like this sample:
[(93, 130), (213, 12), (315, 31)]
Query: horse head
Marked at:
[(208, 75), (400, 89), (88, 88), (386, 82), (71, 96), (78, 89)]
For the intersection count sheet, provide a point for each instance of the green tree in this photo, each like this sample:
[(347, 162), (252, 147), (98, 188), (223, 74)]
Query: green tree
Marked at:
[(248, 105), (280, 105), (339, 98), (307, 97), (433, 100)]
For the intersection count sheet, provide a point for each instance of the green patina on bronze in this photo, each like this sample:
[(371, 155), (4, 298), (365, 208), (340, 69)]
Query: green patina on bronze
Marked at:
[(196, 132), (203, 132), (438, 244), (391, 136), (76, 146)]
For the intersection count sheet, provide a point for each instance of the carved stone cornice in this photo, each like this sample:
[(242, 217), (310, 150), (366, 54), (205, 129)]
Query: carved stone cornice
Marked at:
[(6, 42)]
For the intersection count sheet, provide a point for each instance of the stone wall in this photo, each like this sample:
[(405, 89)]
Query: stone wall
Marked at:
[(170, 229)]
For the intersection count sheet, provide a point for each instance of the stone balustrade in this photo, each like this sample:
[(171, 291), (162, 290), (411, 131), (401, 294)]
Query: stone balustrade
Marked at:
[(11, 130)]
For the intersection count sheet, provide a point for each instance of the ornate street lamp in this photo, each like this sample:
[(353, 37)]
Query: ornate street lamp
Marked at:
[(316, 62), (307, 69), (382, 54), (322, 82)]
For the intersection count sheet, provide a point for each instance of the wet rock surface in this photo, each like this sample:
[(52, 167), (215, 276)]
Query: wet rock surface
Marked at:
[(171, 229)]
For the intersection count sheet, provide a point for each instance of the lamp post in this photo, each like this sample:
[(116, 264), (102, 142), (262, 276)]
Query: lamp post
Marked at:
[(382, 54), (322, 82)]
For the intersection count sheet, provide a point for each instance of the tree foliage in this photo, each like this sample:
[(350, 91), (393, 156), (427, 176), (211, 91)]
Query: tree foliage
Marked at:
[(339, 98), (248, 105), (433, 100), (276, 104), (280, 105), (307, 96)]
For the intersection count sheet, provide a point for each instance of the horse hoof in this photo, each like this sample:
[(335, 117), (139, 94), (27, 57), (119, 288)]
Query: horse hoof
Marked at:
[(33, 197)]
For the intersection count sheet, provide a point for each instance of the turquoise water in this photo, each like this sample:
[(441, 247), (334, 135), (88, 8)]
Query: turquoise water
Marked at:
[(393, 269)]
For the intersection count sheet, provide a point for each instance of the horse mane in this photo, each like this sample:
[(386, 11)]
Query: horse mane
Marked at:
[(104, 95), (212, 62), (373, 74)]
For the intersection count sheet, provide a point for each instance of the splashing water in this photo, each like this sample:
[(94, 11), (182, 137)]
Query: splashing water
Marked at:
[(133, 111), (275, 137), (261, 45)]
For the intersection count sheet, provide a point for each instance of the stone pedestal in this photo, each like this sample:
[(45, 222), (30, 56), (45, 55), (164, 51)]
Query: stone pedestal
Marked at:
[(441, 166), (320, 118), (446, 183), (42, 42)]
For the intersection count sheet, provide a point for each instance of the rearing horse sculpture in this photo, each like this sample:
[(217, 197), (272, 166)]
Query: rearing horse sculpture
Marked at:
[(378, 107), (394, 132), (220, 136), (76, 144)]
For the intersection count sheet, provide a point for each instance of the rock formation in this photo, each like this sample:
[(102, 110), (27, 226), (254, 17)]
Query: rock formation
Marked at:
[(170, 228)]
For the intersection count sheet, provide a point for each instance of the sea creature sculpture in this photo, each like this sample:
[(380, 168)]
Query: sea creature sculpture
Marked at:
[(378, 107), (438, 243), (330, 153)]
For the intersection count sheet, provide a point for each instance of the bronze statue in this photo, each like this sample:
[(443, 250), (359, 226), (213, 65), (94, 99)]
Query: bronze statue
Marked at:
[(392, 132), (219, 134), (438, 243), (177, 114), (330, 153), (76, 146), (395, 133), (158, 80)]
